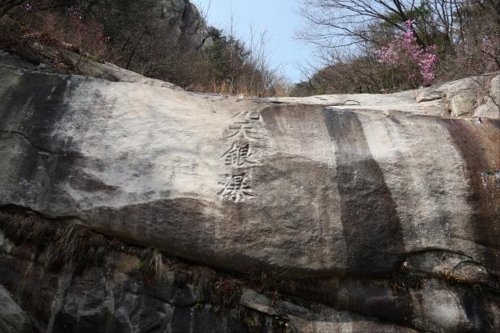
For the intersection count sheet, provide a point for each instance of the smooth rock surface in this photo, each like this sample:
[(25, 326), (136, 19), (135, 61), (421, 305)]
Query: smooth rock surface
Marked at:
[(305, 189), (474, 96), (371, 208), (401, 101)]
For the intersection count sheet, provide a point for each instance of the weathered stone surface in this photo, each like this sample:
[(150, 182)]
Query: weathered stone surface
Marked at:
[(488, 109), (474, 96), (118, 297), (168, 19), (321, 186), (465, 97), (12, 317), (425, 95), (113, 298), (398, 102), (491, 107), (321, 319), (462, 104), (369, 208)]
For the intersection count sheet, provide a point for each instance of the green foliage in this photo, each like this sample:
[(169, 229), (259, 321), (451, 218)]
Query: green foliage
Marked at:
[(226, 56), (303, 88)]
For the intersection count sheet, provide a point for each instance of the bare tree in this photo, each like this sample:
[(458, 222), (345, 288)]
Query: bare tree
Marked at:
[(341, 23)]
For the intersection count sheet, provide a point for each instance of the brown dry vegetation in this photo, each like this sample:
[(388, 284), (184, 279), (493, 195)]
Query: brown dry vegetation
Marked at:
[(226, 66), (59, 243)]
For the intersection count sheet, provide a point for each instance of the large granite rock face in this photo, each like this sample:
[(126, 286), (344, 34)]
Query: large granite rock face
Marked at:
[(366, 209), (151, 37), (171, 19)]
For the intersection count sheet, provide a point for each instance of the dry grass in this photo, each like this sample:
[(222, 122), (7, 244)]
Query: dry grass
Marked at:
[(226, 292), (59, 243), (72, 29), (158, 265), (190, 68)]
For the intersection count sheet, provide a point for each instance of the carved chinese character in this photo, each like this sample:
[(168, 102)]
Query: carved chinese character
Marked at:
[(238, 155), (236, 189), (249, 115), (243, 128), (252, 116)]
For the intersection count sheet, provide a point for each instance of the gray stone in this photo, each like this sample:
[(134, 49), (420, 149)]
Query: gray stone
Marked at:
[(396, 102), (172, 170), (356, 202), (460, 98), (494, 90), (426, 95), (12, 318), (169, 20), (321, 319), (490, 108), (462, 104)]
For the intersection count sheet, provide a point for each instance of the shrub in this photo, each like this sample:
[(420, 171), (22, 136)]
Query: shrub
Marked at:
[(405, 54), (71, 25)]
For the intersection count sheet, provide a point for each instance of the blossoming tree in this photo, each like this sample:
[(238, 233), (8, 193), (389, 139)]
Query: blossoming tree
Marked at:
[(404, 53)]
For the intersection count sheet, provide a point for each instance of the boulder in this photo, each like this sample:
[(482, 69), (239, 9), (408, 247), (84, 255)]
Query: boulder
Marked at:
[(369, 208), (462, 104), (169, 20), (474, 96), (148, 34), (426, 95), (310, 190), (491, 107)]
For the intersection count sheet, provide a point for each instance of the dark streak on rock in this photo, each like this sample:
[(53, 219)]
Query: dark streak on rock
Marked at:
[(479, 144), (189, 230), (41, 172), (372, 229), (38, 147), (34, 106)]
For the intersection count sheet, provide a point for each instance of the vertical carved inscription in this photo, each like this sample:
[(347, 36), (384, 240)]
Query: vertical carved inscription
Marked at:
[(237, 186)]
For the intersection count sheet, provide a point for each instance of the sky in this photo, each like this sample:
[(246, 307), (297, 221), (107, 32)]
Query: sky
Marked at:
[(278, 18)]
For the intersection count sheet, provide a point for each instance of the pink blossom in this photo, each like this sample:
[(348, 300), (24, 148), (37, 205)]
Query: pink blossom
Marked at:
[(404, 49)]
